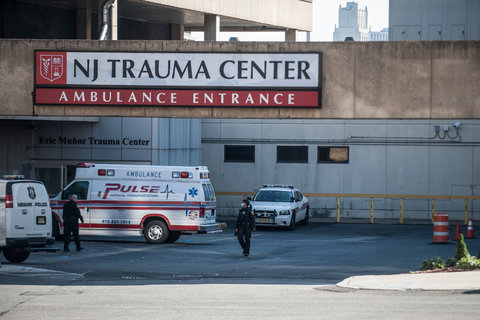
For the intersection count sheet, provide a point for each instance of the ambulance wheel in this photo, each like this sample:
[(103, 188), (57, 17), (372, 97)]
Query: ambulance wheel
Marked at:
[(56, 230), (156, 231), (173, 236), (15, 255)]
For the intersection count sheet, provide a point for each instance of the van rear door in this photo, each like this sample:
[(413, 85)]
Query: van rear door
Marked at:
[(31, 209)]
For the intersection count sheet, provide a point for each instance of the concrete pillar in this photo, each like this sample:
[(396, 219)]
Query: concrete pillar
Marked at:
[(211, 27), (178, 31), (84, 23), (291, 35)]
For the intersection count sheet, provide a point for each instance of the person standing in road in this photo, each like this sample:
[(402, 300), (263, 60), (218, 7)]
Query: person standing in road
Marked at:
[(71, 215), (244, 226)]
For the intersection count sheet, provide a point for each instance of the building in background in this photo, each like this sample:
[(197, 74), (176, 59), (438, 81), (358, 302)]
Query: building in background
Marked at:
[(378, 35), (352, 23), (415, 20)]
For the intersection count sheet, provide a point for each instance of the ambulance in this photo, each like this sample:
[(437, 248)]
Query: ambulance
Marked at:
[(25, 218), (160, 202)]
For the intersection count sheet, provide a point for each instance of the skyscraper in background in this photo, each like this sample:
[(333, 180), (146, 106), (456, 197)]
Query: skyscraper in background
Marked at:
[(353, 25)]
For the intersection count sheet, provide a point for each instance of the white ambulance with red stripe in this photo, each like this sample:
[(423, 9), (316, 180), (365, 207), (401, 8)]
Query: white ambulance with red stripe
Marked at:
[(160, 202)]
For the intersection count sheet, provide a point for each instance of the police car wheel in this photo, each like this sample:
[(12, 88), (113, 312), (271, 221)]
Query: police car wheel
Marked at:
[(307, 218), (15, 255), (156, 231), (291, 227)]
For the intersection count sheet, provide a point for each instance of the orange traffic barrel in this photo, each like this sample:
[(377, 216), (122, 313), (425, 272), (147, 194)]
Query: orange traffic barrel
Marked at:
[(470, 230), (440, 228)]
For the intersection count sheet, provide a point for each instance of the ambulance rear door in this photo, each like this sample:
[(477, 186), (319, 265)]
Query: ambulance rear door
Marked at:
[(30, 213), (210, 202)]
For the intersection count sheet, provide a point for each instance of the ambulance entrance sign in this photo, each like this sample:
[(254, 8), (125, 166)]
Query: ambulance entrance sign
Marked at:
[(291, 80)]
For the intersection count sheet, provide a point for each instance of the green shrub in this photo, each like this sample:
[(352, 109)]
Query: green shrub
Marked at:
[(462, 251), (468, 263), (433, 263), (450, 263)]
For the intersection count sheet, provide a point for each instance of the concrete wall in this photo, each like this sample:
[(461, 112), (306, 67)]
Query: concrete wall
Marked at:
[(401, 157), (416, 80)]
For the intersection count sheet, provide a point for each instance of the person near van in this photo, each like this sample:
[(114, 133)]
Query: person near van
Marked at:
[(71, 215), (244, 226)]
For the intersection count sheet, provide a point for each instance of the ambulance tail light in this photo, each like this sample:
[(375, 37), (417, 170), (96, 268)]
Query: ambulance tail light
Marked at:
[(202, 213), (102, 172), (8, 201), (204, 175)]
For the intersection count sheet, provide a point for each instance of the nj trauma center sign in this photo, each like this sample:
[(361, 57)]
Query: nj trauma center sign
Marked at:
[(178, 79)]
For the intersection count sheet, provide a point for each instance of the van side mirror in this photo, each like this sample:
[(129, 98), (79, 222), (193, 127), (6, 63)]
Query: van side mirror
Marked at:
[(292, 199)]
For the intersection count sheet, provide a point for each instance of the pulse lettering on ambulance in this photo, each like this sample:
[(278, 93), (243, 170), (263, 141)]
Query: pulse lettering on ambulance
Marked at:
[(129, 189)]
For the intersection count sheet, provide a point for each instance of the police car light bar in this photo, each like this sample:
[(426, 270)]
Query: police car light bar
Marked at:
[(277, 186), (13, 176)]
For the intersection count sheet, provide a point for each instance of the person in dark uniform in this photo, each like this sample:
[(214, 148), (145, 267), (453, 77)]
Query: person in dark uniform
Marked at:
[(71, 214), (244, 226)]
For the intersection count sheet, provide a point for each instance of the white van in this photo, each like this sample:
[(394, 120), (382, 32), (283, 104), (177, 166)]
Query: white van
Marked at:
[(25, 218), (160, 202)]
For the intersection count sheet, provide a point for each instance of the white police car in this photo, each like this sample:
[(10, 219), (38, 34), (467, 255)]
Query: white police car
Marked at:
[(280, 206)]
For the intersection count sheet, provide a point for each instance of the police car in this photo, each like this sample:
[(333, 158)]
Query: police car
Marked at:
[(281, 206), (25, 218)]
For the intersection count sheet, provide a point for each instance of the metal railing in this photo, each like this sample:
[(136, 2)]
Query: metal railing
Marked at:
[(402, 197)]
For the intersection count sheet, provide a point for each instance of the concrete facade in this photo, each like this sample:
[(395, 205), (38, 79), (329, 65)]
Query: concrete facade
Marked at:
[(399, 157), (415, 80), (49, 149), (415, 20)]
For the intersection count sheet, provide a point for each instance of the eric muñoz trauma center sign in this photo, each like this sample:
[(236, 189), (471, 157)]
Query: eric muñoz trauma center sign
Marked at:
[(178, 79)]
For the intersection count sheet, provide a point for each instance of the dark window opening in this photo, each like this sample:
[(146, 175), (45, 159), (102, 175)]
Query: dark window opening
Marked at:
[(332, 155), (292, 154), (239, 153)]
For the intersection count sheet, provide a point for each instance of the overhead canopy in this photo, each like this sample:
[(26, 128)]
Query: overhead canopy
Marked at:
[(236, 15)]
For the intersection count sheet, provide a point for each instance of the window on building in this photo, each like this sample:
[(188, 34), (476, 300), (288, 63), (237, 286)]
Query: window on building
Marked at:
[(292, 154), (332, 154), (239, 153)]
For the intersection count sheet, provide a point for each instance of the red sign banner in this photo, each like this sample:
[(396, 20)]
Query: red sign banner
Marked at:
[(190, 98), (191, 79)]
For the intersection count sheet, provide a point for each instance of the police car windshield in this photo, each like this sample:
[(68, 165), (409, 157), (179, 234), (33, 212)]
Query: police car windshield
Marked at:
[(273, 196)]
